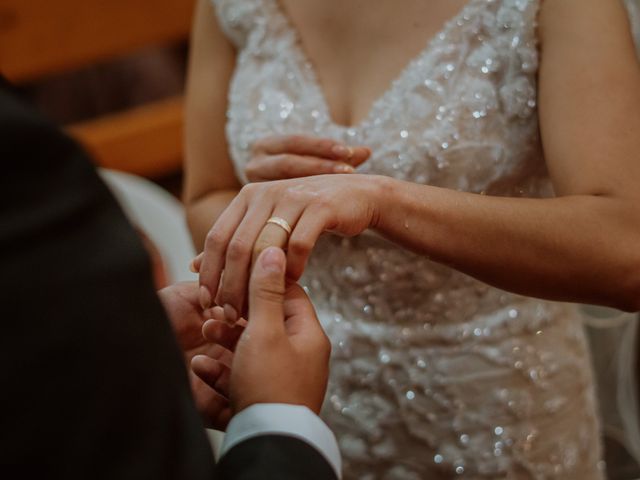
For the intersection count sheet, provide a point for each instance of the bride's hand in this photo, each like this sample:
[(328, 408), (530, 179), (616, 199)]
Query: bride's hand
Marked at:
[(293, 156), (343, 204)]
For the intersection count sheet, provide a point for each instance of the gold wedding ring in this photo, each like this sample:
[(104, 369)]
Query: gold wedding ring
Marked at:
[(282, 223), (271, 237)]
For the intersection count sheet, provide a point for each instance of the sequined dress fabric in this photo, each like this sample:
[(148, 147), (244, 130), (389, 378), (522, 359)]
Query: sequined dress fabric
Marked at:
[(434, 374)]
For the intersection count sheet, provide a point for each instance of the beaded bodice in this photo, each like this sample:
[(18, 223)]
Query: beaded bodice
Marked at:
[(432, 371)]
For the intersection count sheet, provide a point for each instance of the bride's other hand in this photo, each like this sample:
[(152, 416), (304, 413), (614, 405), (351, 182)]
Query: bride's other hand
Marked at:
[(342, 204), (292, 156)]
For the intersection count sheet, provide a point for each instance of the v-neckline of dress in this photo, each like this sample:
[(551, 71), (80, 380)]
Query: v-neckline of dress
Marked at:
[(301, 53)]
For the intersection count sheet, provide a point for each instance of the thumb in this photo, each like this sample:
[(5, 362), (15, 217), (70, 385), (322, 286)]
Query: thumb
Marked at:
[(266, 291), (302, 323)]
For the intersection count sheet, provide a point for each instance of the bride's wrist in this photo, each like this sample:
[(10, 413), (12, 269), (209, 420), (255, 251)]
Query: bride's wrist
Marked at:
[(379, 198)]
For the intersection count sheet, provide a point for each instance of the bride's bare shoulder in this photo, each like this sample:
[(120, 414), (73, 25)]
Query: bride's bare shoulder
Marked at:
[(589, 85), (573, 19)]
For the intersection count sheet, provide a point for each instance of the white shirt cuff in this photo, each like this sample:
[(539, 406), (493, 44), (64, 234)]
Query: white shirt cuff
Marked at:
[(282, 419)]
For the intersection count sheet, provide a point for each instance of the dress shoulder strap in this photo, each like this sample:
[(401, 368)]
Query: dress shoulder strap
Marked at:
[(238, 17), (633, 7)]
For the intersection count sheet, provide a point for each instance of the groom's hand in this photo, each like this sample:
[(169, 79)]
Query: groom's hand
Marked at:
[(282, 355), (181, 304)]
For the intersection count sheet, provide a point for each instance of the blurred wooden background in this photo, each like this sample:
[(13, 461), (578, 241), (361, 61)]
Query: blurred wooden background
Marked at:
[(42, 38)]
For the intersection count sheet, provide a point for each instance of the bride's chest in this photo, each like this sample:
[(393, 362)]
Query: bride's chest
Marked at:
[(357, 50)]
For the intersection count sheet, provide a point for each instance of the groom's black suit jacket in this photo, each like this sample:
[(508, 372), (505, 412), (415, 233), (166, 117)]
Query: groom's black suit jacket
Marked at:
[(92, 384)]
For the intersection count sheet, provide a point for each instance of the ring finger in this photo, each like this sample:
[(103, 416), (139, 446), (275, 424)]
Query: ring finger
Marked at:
[(238, 262)]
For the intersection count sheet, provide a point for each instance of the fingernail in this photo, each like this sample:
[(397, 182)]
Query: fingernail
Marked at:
[(204, 297), (340, 150), (344, 169), (230, 313), (217, 313), (192, 266), (272, 259), (349, 152), (199, 358)]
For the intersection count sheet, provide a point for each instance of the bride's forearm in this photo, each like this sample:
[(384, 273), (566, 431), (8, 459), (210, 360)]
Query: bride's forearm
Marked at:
[(575, 248)]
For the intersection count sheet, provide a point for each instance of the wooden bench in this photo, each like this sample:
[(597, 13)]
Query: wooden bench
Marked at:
[(44, 37)]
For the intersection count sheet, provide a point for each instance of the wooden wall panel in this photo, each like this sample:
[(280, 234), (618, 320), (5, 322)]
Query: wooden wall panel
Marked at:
[(40, 37), (145, 141)]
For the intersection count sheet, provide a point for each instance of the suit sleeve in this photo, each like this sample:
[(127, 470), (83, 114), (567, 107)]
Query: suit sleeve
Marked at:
[(281, 424), (275, 457)]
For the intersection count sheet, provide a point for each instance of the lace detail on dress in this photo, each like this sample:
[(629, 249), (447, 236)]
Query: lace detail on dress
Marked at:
[(434, 374)]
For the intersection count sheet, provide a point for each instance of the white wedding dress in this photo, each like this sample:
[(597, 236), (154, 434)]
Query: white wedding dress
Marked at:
[(434, 374)]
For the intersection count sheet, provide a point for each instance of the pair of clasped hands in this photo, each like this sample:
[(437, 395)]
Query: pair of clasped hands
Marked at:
[(300, 187)]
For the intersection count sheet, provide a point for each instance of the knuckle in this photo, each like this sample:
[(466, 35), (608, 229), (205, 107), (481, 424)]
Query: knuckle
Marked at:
[(300, 246), (214, 239), (285, 158), (259, 145), (268, 293), (323, 203), (249, 190), (238, 249), (251, 175), (293, 194), (326, 143), (254, 170), (251, 166), (285, 164)]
